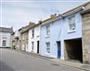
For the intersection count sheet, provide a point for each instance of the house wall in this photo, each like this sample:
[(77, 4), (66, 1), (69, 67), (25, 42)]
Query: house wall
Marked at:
[(16, 42), (34, 39), (67, 35), (86, 37), (55, 34), (24, 40), (7, 37), (59, 32)]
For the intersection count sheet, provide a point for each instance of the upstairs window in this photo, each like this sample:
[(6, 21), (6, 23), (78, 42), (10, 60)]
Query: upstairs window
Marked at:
[(32, 33), (47, 29), (72, 24)]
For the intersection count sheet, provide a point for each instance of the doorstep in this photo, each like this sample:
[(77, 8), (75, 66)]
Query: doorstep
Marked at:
[(73, 64)]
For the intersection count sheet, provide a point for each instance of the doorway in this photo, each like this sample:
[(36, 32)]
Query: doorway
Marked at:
[(37, 46), (58, 49), (73, 49)]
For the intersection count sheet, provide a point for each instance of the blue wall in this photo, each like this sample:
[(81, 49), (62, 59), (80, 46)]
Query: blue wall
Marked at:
[(59, 32)]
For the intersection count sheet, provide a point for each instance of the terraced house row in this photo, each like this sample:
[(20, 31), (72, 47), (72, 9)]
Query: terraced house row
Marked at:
[(65, 36)]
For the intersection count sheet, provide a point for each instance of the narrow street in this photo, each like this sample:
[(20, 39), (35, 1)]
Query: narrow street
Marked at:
[(11, 60)]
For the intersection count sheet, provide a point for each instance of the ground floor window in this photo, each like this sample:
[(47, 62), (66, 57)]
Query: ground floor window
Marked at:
[(32, 46), (48, 47), (4, 43)]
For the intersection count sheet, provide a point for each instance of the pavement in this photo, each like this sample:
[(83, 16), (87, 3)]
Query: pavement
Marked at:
[(73, 64), (12, 60)]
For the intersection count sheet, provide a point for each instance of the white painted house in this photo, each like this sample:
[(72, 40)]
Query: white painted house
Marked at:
[(34, 38), (5, 37)]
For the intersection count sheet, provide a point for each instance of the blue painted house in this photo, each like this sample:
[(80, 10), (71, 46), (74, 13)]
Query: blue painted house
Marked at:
[(61, 35), (50, 37)]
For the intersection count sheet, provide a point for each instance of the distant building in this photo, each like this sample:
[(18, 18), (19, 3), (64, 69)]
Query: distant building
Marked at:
[(16, 40), (6, 37)]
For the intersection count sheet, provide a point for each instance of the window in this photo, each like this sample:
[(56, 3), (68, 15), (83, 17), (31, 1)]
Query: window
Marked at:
[(72, 25), (4, 43), (48, 47), (47, 29), (32, 46), (32, 33), (4, 37)]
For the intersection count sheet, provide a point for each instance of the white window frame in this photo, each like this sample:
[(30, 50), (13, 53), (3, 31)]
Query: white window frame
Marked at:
[(32, 46), (48, 29), (48, 47), (71, 24), (4, 42), (33, 33)]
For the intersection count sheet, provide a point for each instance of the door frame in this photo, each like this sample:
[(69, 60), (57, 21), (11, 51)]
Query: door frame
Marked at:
[(58, 49), (38, 46)]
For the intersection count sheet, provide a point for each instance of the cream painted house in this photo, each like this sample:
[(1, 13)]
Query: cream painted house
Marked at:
[(24, 36)]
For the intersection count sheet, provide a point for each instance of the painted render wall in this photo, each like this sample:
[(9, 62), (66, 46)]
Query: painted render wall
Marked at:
[(8, 39), (54, 36), (59, 32), (77, 33), (35, 39), (66, 35)]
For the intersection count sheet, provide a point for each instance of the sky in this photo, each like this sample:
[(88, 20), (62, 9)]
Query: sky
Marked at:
[(18, 13)]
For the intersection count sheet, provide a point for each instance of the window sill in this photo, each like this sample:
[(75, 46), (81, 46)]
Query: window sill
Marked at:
[(47, 36), (32, 38), (71, 31)]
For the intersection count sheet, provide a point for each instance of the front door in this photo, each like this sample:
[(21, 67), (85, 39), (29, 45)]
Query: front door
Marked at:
[(37, 46), (58, 49)]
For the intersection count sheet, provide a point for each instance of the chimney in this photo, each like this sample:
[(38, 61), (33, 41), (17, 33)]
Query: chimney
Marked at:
[(54, 15)]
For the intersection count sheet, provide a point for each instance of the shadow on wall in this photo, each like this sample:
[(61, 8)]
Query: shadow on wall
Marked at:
[(5, 67), (74, 49)]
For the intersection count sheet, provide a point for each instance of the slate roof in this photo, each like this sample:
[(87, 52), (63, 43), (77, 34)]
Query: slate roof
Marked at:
[(26, 28), (4, 29)]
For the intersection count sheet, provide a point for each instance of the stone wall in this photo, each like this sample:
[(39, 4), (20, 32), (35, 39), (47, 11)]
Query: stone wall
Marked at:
[(86, 37)]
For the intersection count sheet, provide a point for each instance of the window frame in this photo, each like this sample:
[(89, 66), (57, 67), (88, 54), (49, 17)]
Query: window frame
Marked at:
[(48, 47), (32, 45), (33, 33), (4, 42), (48, 29), (71, 24)]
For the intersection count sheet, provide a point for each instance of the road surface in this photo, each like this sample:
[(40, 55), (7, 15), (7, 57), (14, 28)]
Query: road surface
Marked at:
[(11, 60)]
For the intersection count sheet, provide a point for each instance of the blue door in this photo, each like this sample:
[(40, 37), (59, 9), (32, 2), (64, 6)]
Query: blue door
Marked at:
[(58, 49)]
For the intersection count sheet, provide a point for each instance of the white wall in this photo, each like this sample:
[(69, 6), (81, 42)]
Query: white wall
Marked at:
[(35, 39), (8, 39)]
